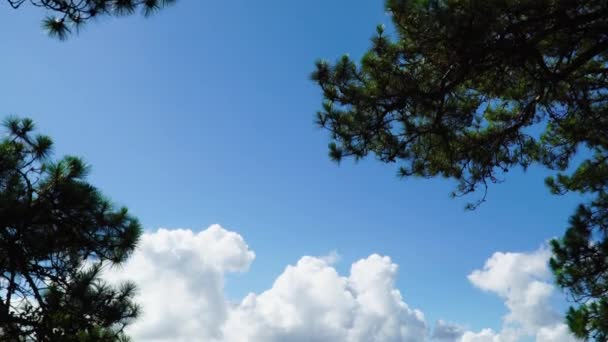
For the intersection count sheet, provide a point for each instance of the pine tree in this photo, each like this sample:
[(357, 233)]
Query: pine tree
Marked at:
[(68, 16), (57, 233), (460, 91)]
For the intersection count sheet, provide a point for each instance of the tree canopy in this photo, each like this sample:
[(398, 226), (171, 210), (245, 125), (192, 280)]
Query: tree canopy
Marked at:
[(67, 16), (469, 89), (57, 233)]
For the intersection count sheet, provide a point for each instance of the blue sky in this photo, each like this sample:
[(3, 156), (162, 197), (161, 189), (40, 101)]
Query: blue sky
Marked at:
[(204, 114)]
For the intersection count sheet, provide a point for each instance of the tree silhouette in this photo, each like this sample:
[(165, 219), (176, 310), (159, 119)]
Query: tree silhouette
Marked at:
[(70, 15), (461, 90), (57, 233)]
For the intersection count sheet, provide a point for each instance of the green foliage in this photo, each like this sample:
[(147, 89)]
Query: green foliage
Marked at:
[(580, 262), (469, 89), (69, 15), (57, 232)]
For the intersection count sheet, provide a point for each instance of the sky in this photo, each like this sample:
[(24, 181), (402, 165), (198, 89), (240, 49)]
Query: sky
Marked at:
[(200, 120)]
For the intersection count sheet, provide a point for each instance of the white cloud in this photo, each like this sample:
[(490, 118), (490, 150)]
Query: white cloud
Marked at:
[(523, 280), (312, 302), (555, 333), (181, 274), (486, 335)]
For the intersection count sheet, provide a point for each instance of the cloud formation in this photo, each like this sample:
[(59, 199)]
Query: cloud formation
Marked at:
[(180, 278), (522, 280), (181, 274), (312, 302), (447, 332)]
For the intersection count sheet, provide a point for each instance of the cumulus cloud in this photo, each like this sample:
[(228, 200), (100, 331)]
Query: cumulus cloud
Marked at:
[(181, 275), (312, 302), (523, 281), (485, 335)]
